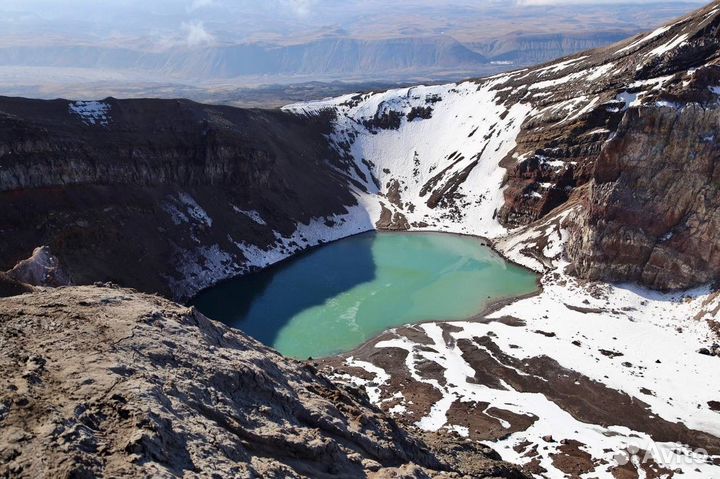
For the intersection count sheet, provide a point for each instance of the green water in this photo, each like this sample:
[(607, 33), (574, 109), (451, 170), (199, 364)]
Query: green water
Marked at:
[(334, 298)]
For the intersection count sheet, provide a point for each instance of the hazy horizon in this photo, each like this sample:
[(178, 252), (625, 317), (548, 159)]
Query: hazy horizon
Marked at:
[(168, 23), (168, 48)]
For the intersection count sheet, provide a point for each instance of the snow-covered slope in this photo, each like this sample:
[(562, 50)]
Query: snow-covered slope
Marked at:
[(432, 154)]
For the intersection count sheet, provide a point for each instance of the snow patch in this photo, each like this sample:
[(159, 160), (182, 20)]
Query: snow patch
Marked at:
[(200, 268), (184, 209), (469, 132), (315, 232), (252, 214), (372, 388), (91, 112), (672, 44), (645, 38)]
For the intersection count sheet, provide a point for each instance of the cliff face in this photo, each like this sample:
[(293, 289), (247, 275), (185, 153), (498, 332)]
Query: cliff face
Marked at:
[(157, 194), (533, 49), (103, 381), (652, 205), (640, 157)]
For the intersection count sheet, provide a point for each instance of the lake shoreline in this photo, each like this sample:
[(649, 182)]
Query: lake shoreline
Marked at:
[(276, 302)]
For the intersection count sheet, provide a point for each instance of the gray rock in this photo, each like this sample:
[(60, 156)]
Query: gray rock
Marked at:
[(132, 385)]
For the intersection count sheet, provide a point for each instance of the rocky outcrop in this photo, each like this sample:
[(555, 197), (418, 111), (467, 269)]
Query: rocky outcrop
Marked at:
[(110, 382), (41, 269), (651, 213), (12, 287), (641, 160)]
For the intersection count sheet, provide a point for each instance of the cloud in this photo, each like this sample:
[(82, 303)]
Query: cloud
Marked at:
[(197, 36), (300, 8), (197, 4)]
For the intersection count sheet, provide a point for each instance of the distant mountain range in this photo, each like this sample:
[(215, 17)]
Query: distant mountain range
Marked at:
[(324, 57), (231, 45), (331, 56)]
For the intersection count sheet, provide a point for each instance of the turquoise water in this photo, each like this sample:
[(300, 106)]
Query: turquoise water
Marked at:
[(334, 298)]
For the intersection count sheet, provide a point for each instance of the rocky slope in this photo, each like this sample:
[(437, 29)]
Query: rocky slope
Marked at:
[(583, 380), (107, 382), (157, 194)]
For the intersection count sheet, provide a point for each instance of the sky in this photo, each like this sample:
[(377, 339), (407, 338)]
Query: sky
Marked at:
[(164, 23), (298, 8)]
